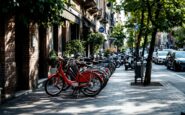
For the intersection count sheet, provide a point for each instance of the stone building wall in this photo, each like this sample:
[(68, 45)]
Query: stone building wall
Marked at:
[(10, 65), (34, 56)]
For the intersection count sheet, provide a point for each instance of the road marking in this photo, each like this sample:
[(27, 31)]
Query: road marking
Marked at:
[(179, 76)]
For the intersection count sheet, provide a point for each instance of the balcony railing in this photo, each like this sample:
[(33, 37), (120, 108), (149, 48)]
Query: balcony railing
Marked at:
[(86, 3)]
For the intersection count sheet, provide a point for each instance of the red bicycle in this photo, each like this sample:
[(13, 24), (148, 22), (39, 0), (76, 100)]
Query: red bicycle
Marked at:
[(87, 82)]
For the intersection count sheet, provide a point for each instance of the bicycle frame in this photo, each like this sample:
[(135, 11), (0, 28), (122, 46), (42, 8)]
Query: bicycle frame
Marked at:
[(90, 81), (81, 80)]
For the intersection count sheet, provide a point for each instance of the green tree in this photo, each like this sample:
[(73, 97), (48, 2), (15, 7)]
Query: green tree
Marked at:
[(179, 35), (95, 39), (119, 35), (130, 39), (138, 21), (162, 14), (39, 11), (74, 46)]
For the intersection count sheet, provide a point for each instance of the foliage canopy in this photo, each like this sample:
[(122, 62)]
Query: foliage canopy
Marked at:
[(74, 47), (96, 40), (40, 11), (179, 35), (118, 34)]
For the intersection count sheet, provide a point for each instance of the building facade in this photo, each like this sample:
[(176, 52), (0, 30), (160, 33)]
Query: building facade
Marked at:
[(24, 52)]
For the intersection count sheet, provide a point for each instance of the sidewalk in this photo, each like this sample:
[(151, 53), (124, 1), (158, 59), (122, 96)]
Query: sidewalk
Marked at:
[(118, 98)]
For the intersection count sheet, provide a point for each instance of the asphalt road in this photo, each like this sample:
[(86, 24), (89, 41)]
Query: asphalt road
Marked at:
[(161, 69)]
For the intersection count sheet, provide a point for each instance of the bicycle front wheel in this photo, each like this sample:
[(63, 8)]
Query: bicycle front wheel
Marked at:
[(94, 87), (54, 85)]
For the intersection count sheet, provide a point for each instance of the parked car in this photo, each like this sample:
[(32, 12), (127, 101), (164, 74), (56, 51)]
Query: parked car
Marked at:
[(160, 57), (167, 50), (181, 49), (176, 60)]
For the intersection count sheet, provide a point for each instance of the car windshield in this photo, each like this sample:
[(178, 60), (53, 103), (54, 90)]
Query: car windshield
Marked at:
[(167, 49), (180, 54), (162, 53)]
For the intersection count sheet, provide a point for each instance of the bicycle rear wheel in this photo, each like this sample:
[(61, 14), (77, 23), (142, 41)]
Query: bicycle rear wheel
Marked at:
[(54, 85), (94, 87), (102, 74)]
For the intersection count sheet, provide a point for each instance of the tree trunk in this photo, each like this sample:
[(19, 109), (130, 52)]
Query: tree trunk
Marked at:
[(144, 45), (140, 34), (154, 21), (146, 36), (147, 79)]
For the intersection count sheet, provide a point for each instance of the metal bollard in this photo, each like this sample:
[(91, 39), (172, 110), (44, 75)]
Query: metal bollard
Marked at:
[(139, 71)]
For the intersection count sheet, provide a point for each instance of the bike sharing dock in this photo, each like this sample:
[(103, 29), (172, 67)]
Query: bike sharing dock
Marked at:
[(118, 98)]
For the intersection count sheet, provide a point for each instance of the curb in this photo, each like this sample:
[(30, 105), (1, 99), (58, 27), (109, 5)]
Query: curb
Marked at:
[(41, 83)]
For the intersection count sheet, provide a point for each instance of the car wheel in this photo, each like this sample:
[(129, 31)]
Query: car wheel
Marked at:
[(175, 68)]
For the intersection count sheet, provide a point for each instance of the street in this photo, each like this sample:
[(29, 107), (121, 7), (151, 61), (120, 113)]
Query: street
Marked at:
[(178, 83), (118, 98)]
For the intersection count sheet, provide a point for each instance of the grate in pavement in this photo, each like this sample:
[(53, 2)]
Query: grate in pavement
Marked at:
[(141, 84)]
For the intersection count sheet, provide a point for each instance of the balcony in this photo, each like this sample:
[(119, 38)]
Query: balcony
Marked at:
[(93, 10), (89, 4), (86, 3), (104, 19)]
